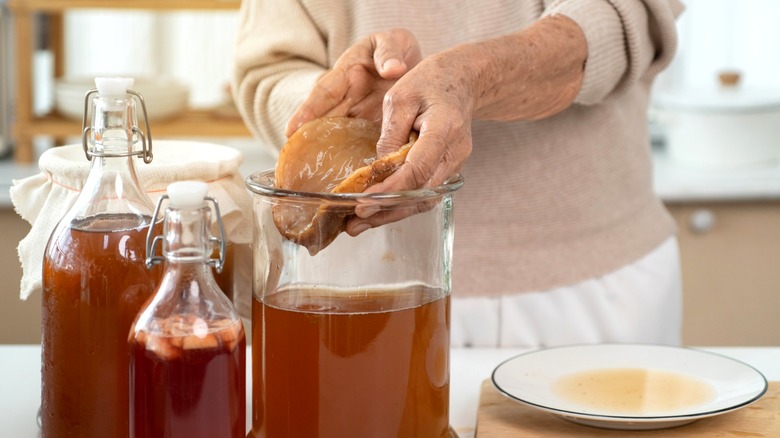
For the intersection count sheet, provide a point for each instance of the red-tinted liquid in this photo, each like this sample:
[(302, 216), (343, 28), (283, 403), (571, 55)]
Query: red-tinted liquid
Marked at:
[(94, 283), (329, 365), (189, 388)]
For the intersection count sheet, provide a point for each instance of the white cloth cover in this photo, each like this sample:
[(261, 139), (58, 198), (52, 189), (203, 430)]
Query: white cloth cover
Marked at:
[(44, 198)]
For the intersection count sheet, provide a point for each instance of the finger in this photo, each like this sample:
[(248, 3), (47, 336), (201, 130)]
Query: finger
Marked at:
[(328, 92), (395, 52), (399, 112), (369, 107), (420, 165), (435, 157), (358, 225), (451, 162)]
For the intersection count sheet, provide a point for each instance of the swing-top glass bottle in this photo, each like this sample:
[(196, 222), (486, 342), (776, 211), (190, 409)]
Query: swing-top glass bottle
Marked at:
[(94, 274), (188, 347)]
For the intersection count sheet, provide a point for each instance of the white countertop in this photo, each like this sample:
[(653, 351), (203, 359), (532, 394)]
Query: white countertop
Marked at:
[(20, 384), (676, 182)]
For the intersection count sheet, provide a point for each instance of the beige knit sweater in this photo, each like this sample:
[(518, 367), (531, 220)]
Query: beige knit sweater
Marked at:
[(546, 203)]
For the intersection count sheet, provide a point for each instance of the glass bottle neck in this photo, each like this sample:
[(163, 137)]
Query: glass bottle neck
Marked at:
[(187, 235), (113, 127), (113, 187), (187, 276)]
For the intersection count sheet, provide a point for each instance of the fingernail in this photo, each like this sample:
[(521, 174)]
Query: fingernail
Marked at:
[(364, 211), (391, 63), (359, 228)]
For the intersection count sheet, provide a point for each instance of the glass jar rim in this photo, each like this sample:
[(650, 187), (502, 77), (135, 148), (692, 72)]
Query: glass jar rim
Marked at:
[(262, 183)]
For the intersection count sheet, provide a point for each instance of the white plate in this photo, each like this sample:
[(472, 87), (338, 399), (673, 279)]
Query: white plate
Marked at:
[(536, 379)]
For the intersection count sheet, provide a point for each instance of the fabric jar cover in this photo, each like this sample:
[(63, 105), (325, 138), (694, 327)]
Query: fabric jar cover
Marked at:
[(43, 199)]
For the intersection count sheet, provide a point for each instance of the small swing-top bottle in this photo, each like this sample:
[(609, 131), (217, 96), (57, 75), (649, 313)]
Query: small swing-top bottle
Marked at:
[(188, 347)]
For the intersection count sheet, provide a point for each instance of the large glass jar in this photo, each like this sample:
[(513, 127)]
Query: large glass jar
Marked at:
[(353, 340)]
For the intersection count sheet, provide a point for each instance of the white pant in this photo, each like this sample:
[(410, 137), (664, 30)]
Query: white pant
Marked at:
[(639, 303)]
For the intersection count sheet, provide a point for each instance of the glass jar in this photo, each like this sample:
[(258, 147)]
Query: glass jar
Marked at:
[(187, 346), (353, 340), (94, 275)]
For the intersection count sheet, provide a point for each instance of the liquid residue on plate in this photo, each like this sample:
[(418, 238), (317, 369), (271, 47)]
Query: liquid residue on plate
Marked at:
[(634, 391)]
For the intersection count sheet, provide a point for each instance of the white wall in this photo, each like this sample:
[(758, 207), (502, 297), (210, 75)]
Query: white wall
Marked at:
[(727, 34), (194, 47)]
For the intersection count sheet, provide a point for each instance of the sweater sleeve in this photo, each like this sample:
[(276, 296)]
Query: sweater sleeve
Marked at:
[(628, 40), (279, 55)]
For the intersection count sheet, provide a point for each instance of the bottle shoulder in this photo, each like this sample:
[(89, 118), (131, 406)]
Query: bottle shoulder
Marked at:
[(189, 290), (121, 238)]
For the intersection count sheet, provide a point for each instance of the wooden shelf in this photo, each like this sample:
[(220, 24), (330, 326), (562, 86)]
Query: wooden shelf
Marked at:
[(26, 126), (192, 123), (154, 5)]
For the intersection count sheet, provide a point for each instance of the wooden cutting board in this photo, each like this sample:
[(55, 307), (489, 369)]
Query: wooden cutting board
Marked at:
[(500, 417)]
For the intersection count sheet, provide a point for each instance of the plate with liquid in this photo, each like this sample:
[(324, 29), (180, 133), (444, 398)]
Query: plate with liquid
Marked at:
[(629, 386)]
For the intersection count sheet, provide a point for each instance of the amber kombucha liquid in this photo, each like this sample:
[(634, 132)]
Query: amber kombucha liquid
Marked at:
[(189, 386), (329, 364), (94, 283)]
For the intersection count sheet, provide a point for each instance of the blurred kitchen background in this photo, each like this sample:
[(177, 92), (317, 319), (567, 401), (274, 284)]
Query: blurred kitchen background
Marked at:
[(716, 147)]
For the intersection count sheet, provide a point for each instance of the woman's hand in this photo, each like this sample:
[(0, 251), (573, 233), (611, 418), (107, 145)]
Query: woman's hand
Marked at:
[(357, 83), (532, 74), (436, 99)]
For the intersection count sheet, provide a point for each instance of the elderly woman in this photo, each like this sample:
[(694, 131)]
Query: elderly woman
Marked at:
[(541, 105)]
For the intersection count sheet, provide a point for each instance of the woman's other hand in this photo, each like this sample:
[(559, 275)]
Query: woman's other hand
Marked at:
[(360, 78)]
